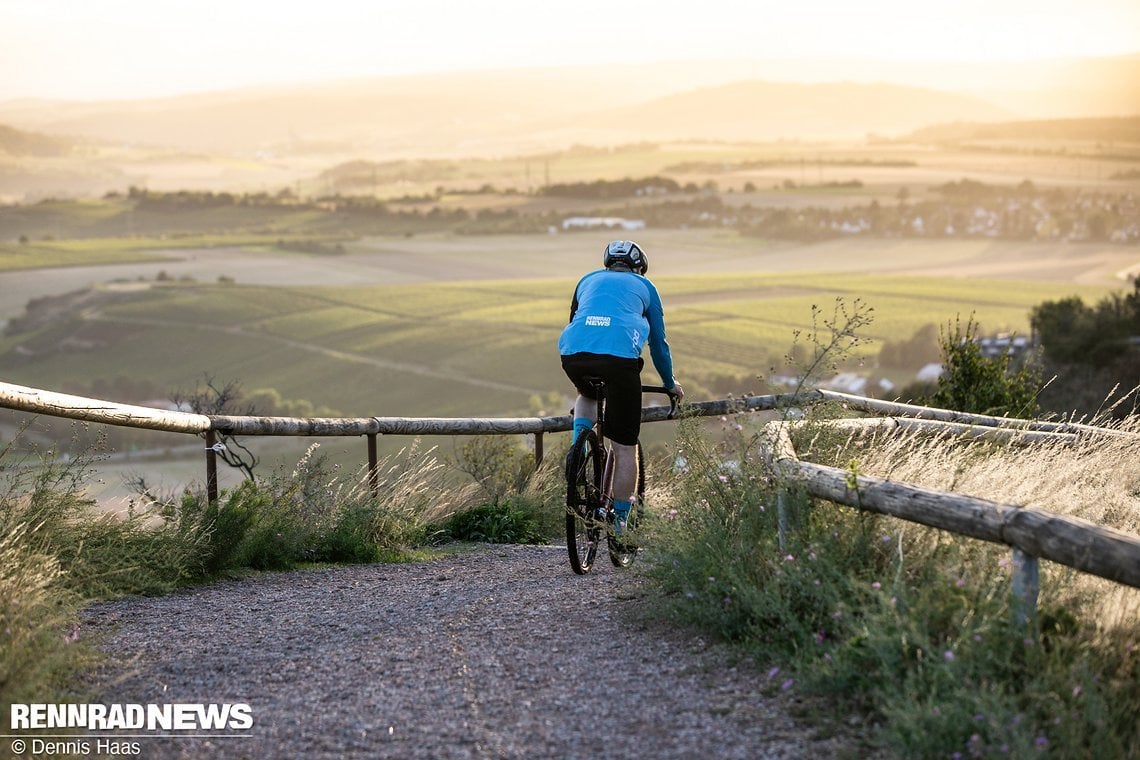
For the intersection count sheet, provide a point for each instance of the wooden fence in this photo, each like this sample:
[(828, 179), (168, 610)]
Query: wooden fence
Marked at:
[(1032, 533)]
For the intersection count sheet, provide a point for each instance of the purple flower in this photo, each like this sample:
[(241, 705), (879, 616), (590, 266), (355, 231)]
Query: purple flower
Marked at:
[(876, 585), (1041, 742), (948, 655), (773, 673), (787, 684)]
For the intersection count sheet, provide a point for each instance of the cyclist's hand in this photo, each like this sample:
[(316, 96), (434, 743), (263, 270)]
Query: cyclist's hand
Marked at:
[(677, 391)]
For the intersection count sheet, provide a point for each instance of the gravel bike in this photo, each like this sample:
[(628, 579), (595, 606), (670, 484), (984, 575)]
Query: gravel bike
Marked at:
[(589, 478)]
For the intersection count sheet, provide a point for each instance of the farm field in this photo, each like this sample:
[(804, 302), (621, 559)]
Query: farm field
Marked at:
[(445, 325), (454, 325)]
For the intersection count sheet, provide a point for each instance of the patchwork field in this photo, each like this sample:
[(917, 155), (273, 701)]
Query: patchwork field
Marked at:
[(456, 326), (442, 325)]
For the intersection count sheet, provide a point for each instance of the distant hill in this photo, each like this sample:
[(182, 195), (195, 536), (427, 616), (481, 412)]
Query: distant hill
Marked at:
[(1100, 130), (754, 111), (16, 142), (456, 115)]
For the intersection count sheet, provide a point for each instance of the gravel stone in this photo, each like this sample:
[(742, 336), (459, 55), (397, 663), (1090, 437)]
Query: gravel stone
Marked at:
[(487, 652)]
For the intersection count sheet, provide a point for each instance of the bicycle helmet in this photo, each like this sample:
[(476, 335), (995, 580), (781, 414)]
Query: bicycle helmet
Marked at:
[(628, 253)]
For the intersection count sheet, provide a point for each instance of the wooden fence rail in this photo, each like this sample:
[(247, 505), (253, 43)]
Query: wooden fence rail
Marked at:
[(1031, 532)]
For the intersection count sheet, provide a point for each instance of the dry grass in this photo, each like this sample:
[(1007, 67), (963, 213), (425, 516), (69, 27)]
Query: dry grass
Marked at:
[(1095, 478)]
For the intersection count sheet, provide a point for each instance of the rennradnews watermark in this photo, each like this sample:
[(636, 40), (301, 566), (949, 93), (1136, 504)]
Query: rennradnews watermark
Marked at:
[(176, 720)]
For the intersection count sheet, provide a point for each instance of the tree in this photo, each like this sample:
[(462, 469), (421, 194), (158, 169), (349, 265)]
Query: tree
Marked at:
[(972, 383)]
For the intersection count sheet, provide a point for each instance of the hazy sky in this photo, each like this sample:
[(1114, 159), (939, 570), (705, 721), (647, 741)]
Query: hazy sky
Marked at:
[(89, 49)]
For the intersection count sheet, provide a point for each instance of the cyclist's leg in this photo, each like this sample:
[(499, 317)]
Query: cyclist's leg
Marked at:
[(623, 425), (579, 367), (625, 480), (585, 413)]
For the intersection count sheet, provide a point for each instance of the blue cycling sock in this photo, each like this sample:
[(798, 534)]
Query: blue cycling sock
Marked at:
[(581, 424), (621, 509)]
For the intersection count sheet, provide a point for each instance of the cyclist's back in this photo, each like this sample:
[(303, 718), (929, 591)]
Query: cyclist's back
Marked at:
[(614, 312)]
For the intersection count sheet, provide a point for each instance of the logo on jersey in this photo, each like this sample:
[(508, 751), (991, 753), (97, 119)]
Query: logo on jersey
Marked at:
[(597, 321)]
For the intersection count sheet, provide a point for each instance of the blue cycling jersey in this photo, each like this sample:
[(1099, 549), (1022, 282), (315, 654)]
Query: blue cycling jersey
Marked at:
[(615, 313)]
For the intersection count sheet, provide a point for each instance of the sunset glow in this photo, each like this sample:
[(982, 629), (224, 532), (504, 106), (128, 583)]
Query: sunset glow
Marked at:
[(139, 48)]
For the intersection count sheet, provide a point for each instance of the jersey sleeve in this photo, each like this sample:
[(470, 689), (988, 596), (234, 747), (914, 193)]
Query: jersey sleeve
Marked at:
[(658, 344)]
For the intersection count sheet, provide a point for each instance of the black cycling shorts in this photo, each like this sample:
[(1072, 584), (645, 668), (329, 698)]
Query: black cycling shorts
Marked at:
[(623, 390)]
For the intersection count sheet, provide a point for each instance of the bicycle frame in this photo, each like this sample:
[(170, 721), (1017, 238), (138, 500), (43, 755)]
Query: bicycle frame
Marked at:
[(589, 508)]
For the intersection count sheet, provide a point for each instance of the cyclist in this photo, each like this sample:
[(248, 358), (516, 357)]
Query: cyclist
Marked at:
[(615, 310)]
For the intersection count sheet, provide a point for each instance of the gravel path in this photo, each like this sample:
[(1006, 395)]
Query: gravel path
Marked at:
[(496, 652)]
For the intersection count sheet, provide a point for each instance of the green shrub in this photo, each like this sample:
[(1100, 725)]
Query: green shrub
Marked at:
[(974, 383), (509, 522)]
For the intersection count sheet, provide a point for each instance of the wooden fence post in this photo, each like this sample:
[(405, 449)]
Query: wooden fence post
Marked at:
[(782, 517), (538, 453), (1025, 587), (373, 467), (211, 467)]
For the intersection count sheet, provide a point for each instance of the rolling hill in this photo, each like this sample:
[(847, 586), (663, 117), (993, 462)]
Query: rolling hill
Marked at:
[(492, 113)]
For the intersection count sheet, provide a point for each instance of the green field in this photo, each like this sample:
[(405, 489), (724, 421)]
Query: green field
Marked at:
[(473, 347)]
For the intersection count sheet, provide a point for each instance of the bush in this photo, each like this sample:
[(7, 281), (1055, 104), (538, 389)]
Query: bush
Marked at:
[(508, 522), (973, 383)]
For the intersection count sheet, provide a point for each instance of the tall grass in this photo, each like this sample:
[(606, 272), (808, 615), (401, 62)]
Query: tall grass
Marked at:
[(913, 626), (59, 552)]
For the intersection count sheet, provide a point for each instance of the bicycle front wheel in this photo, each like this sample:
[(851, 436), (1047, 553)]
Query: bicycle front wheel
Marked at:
[(585, 513)]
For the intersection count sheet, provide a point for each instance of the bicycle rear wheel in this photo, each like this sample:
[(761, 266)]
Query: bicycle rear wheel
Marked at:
[(585, 518)]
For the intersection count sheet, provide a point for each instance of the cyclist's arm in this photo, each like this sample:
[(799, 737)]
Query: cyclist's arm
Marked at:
[(658, 344)]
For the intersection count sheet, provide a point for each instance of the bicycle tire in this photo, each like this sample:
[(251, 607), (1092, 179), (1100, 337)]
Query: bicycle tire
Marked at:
[(584, 502), (623, 552)]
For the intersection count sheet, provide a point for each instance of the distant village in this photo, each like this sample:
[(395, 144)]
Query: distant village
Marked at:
[(966, 209)]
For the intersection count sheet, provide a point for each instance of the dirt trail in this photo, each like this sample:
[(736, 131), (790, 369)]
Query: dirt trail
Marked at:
[(497, 652)]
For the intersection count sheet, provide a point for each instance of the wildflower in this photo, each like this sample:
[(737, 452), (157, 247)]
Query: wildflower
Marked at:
[(787, 684), (1076, 691), (886, 539), (979, 718), (1041, 742), (819, 637), (712, 579), (790, 558), (722, 478), (948, 655), (773, 673), (960, 583), (876, 585)]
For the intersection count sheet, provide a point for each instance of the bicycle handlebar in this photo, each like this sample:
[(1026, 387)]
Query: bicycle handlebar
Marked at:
[(662, 389)]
